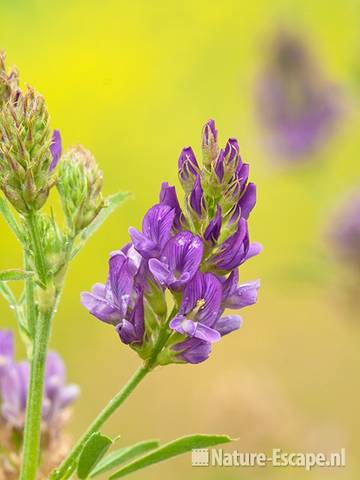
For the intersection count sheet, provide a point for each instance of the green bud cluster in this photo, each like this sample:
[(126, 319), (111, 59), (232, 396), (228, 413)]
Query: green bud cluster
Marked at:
[(79, 183), (25, 156), (9, 82)]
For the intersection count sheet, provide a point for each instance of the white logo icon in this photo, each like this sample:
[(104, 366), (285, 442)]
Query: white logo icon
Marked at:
[(200, 457)]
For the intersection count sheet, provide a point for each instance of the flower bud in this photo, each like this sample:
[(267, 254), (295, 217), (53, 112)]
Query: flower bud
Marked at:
[(209, 143), (9, 82), (79, 183), (188, 169), (25, 156)]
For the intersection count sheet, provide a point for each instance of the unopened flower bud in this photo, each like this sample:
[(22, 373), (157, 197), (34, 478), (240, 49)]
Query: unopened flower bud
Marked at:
[(25, 156), (79, 183), (209, 143), (188, 169), (9, 82)]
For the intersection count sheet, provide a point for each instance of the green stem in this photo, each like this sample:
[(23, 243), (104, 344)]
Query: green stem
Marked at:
[(29, 299), (69, 463), (31, 449), (31, 219)]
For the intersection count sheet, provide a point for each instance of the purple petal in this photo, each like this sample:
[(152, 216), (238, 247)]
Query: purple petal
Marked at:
[(121, 280), (248, 200), (219, 166), (232, 153), (193, 350), (202, 296), (210, 133), (100, 308), (213, 230), (6, 347), (234, 250), (55, 149), (194, 329), (196, 197), (161, 272), (254, 249), (243, 296), (228, 324), (168, 197), (187, 165)]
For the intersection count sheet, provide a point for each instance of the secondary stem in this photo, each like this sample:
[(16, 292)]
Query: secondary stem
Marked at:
[(34, 401), (68, 464)]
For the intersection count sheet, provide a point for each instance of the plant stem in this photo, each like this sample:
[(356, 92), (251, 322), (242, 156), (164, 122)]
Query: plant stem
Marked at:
[(69, 463), (31, 220), (39, 322), (31, 451)]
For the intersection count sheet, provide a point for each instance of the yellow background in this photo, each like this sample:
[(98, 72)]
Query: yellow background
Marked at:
[(134, 82)]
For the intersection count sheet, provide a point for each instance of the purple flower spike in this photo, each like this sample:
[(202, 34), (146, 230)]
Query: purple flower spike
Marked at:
[(55, 149), (210, 134), (200, 308), (192, 350), (168, 197), (157, 225), (179, 261), (247, 201), (234, 250), (213, 230), (196, 197)]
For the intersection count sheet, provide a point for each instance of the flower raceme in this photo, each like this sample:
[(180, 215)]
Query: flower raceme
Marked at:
[(194, 253)]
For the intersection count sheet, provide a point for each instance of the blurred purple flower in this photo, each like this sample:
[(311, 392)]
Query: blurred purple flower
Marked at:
[(14, 383), (298, 107)]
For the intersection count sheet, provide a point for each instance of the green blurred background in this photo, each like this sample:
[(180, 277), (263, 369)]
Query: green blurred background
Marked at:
[(134, 82)]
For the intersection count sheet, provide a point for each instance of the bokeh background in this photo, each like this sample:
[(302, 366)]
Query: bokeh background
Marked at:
[(134, 82)]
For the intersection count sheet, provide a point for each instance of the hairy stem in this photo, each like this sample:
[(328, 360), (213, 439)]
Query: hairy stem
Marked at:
[(69, 463), (31, 449)]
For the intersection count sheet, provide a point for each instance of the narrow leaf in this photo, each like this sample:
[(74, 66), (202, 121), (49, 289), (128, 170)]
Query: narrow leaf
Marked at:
[(171, 449), (94, 450), (15, 274), (111, 203), (123, 455), (10, 220)]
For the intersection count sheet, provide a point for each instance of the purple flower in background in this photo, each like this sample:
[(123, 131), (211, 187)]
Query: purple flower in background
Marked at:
[(186, 257), (179, 261), (298, 107), (344, 231), (6, 349), (14, 384), (55, 149)]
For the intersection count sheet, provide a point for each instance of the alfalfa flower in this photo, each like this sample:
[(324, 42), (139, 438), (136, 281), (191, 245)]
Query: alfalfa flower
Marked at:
[(9, 81), (14, 386), (26, 158), (184, 261), (296, 104), (79, 183)]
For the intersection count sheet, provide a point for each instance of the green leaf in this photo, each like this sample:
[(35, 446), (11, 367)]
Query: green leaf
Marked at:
[(123, 455), (93, 451), (14, 274), (111, 204), (171, 449), (10, 220)]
